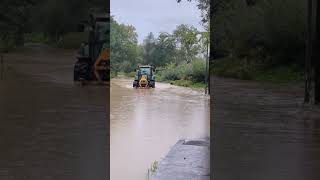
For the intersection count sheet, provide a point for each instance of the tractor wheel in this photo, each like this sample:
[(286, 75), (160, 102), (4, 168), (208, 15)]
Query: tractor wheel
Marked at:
[(76, 75), (76, 72), (152, 84), (104, 76), (135, 84), (81, 71)]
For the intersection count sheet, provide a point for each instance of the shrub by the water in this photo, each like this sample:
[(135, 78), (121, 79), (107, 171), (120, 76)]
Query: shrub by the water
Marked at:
[(193, 71), (198, 70), (170, 73)]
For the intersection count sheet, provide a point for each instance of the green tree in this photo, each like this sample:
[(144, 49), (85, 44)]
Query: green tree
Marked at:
[(187, 42), (159, 51), (270, 32), (149, 48), (55, 18), (14, 20), (125, 52), (51, 17), (166, 49)]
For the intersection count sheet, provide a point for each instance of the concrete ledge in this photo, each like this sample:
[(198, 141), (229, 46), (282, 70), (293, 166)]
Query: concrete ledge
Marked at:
[(187, 160)]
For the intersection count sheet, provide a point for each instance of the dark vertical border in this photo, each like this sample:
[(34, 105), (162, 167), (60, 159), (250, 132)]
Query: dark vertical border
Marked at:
[(108, 106), (211, 58)]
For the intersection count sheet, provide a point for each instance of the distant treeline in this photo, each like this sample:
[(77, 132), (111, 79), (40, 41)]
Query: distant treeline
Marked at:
[(51, 18), (180, 54), (256, 36)]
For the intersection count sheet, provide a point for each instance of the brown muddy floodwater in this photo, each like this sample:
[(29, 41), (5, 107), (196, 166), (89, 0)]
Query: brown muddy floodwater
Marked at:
[(145, 123), (263, 132), (50, 128)]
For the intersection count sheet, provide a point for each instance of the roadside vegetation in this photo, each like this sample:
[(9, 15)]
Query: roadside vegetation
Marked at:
[(179, 56), (253, 39), (53, 22), (260, 40), (249, 70)]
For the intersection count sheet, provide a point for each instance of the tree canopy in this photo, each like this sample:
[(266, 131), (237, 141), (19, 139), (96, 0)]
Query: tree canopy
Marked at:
[(54, 18), (125, 52)]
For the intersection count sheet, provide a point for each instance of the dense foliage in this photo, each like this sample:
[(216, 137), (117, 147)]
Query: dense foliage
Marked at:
[(125, 53), (179, 55), (51, 19), (251, 38), (259, 35)]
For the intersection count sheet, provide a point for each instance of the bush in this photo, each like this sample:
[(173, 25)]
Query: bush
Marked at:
[(113, 74), (126, 67), (198, 70), (272, 31), (170, 73), (194, 71)]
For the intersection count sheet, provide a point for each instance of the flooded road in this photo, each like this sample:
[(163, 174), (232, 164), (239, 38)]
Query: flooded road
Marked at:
[(263, 132), (50, 127), (145, 123)]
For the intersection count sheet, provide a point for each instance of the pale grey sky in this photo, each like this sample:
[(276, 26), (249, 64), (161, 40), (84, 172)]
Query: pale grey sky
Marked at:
[(155, 15)]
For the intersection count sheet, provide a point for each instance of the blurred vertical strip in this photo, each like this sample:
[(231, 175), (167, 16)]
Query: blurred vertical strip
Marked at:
[(211, 49), (210, 84), (308, 53), (108, 10), (315, 56), (312, 64)]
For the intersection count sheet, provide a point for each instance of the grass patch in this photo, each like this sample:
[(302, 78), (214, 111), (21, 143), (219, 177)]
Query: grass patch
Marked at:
[(113, 74), (6, 46), (131, 74), (249, 70), (70, 40), (154, 166), (234, 68), (36, 38), (282, 74), (73, 40)]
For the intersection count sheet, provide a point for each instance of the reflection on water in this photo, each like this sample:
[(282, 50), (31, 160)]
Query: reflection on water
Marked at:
[(145, 123), (264, 132), (50, 128)]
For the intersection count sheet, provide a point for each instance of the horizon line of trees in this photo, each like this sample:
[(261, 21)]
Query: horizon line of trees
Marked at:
[(52, 18), (185, 45)]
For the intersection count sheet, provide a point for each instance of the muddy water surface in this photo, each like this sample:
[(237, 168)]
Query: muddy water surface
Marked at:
[(145, 123), (263, 131), (50, 127)]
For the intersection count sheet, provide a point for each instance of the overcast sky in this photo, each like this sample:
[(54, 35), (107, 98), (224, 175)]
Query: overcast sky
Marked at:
[(155, 15)]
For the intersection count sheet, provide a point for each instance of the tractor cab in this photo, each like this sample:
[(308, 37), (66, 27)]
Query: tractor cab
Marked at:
[(144, 77), (94, 54)]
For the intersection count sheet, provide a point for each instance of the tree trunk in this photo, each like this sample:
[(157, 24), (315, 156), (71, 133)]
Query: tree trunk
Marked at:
[(315, 59), (309, 46)]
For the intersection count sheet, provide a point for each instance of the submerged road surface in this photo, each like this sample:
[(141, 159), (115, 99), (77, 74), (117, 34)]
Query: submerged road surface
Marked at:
[(50, 128), (146, 123), (263, 132)]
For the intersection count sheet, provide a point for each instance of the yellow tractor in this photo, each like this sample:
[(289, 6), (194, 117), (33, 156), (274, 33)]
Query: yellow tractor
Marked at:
[(93, 61), (145, 77)]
